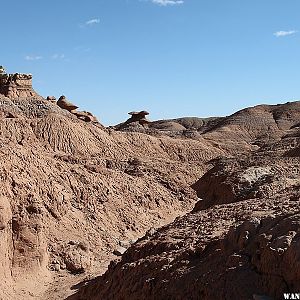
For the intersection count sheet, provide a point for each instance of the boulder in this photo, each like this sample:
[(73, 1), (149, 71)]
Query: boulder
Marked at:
[(77, 257), (119, 251), (65, 104)]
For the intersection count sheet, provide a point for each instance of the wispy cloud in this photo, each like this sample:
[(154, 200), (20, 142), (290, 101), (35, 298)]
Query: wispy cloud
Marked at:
[(89, 23), (58, 56), (92, 22), (167, 2), (33, 57), (284, 33)]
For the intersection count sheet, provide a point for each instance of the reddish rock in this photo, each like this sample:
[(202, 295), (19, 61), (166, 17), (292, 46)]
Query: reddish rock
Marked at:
[(16, 85), (66, 180), (65, 104), (244, 233)]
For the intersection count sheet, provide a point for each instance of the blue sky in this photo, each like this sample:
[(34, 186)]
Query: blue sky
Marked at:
[(173, 58)]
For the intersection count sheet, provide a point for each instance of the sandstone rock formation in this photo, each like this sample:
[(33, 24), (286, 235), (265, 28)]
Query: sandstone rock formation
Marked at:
[(72, 108), (136, 119), (243, 233), (75, 189), (70, 191), (16, 85), (65, 104), (189, 123)]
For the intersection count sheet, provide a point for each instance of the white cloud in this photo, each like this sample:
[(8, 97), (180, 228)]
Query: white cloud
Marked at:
[(33, 57), (92, 22), (284, 33), (58, 56), (167, 2)]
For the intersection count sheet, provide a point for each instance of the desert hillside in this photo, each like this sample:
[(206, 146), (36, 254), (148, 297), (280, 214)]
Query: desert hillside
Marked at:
[(75, 195), (241, 241), (75, 189)]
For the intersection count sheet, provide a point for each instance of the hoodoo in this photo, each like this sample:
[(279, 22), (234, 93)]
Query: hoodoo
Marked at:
[(16, 85), (136, 119), (139, 117)]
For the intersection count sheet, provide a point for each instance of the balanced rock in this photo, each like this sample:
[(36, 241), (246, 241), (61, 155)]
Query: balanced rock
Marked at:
[(139, 117), (65, 104)]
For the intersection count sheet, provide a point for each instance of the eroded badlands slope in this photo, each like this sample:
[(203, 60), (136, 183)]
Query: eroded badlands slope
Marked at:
[(241, 241), (72, 191)]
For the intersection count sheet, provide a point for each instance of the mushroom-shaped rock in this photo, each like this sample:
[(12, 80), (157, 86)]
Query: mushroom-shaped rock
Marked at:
[(136, 119), (138, 116), (139, 113), (65, 104), (143, 112)]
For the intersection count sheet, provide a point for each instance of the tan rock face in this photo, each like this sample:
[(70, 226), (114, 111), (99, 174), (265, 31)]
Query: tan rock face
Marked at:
[(72, 183), (254, 256), (5, 212), (75, 189), (6, 249), (240, 242), (136, 119), (16, 85), (65, 104)]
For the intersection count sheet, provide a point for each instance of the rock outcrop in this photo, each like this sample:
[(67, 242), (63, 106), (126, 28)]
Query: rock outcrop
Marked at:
[(72, 108), (137, 119), (16, 85), (70, 191), (75, 189), (239, 242), (65, 104)]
